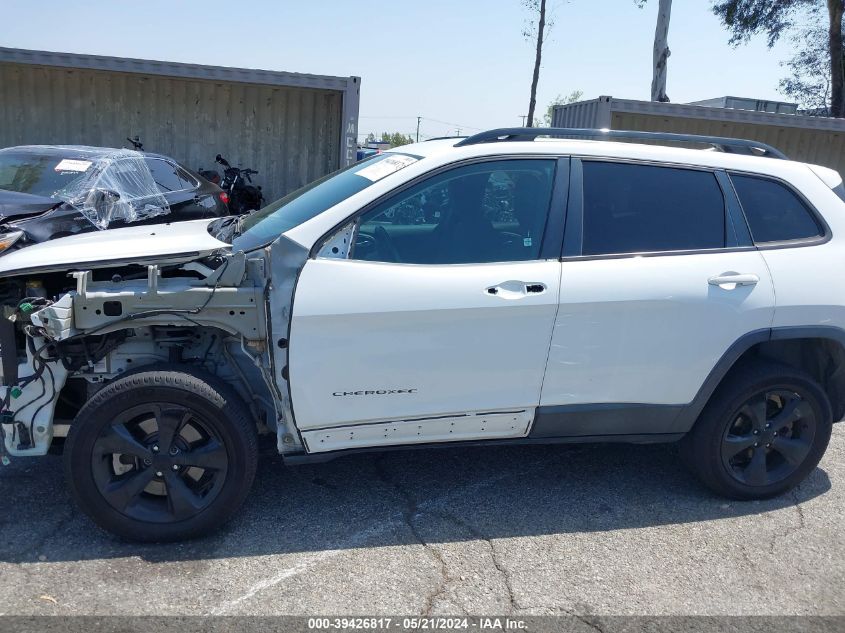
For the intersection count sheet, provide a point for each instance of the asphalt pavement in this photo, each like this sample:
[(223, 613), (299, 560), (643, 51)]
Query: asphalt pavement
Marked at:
[(586, 529)]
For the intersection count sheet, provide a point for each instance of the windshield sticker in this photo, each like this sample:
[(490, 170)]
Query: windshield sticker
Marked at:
[(69, 164), (385, 167)]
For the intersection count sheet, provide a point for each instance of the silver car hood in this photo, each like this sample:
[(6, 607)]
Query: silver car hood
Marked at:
[(178, 241)]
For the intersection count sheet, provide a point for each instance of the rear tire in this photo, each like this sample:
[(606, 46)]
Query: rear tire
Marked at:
[(764, 430), (161, 455)]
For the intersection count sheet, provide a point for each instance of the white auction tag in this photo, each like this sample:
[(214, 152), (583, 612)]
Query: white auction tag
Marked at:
[(385, 167), (70, 164)]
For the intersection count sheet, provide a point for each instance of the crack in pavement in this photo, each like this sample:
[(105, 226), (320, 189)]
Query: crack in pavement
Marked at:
[(802, 521), (361, 538), (503, 572), (410, 512)]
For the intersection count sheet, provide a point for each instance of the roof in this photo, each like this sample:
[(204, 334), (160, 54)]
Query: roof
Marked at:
[(444, 150), (685, 110), (174, 69)]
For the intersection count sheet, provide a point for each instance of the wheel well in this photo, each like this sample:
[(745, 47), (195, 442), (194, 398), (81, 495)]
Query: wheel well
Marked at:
[(822, 358), (207, 350)]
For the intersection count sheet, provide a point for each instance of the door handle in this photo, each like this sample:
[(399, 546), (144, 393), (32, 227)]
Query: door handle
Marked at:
[(515, 289), (734, 280)]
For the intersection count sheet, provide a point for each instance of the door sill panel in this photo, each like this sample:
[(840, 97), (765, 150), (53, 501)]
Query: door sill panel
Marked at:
[(297, 459), (459, 428)]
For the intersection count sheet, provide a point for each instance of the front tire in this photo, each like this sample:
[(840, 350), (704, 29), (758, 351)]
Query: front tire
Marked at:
[(763, 431), (161, 455)]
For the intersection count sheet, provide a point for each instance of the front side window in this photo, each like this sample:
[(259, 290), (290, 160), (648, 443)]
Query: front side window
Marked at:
[(485, 212), (631, 208), (773, 211)]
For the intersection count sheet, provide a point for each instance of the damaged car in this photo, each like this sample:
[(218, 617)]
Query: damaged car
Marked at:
[(50, 191), (519, 286)]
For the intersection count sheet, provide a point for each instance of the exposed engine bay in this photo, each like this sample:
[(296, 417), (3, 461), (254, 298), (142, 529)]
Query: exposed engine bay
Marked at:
[(64, 335)]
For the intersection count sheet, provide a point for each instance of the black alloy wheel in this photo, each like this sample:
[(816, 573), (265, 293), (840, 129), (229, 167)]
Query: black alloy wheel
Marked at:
[(159, 462), (763, 431), (770, 437), (162, 454)]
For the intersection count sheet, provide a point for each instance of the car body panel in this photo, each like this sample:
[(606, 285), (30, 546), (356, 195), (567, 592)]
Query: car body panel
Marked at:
[(172, 241), (640, 330), (376, 341), (625, 324), (14, 204)]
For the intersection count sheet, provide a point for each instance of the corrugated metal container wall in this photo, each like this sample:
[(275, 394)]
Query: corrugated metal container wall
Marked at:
[(584, 114), (290, 135), (820, 147), (807, 139)]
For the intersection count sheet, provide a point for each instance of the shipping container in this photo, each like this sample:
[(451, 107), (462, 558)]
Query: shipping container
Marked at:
[(811, 139), (292, 127)]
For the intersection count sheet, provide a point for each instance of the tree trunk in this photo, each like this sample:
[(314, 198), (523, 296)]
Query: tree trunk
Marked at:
[(837, 85), (661, 52), (532, 104)]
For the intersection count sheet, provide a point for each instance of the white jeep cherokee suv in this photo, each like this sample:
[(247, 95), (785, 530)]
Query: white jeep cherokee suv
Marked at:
[(499, 288)]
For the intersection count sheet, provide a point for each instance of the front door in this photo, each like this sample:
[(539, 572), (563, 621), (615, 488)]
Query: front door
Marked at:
[(437, 326)]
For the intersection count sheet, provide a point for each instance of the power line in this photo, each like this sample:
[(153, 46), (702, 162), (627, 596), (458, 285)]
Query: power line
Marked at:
[(425, 118)]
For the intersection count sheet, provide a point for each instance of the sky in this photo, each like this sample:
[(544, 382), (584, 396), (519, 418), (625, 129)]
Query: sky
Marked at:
[(461, 64)]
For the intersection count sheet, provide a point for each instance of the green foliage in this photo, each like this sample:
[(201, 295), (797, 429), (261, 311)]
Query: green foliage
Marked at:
[(395, 139), (808, 83), (746, 18), (572, 97), (807, 23)]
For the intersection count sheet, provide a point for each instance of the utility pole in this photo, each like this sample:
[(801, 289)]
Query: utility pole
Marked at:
[(524, 116), (419, 118), (458, 132)]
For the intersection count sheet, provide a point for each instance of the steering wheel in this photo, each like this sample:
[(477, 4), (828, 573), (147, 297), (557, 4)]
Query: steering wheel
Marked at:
[(384, 239)]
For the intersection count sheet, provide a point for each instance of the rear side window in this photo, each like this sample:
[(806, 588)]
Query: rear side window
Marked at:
[(188, 181), (641, 208), (773, 211), (164, 175)]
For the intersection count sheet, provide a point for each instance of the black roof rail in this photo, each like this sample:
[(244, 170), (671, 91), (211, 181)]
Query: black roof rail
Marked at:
[(721, 143)]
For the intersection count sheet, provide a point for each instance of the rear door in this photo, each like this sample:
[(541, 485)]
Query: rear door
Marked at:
[(437, 327), (659, 280)]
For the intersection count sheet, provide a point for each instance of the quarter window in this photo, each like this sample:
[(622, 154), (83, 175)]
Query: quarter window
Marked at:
[(486, 212), (773, 211), (164, 175), (642, 208)]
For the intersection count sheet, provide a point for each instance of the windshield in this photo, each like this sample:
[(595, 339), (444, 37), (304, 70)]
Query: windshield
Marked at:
[(264, 226), (40, 174)]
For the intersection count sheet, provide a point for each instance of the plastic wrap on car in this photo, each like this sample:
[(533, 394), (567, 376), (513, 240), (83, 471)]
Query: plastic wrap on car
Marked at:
[(117, 185)]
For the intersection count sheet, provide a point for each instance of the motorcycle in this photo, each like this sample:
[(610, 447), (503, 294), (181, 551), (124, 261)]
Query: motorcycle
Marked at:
[(237, 183)]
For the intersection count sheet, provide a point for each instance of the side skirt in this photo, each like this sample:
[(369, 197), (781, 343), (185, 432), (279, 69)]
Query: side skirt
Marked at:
[(298, 459)]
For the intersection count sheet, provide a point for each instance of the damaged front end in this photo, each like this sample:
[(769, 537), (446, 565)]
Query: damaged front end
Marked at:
[(64, 335)]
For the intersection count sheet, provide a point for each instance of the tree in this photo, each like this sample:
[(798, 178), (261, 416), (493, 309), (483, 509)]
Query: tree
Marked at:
[(660, 52), (396, 139), (809, 80), (538, 9), (745, 18), (572, 97)]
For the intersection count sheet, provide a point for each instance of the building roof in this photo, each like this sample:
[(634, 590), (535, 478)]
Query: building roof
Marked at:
[(174, 69)]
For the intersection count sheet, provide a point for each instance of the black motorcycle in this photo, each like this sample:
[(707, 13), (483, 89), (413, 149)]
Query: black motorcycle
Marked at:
[(243, 195)]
